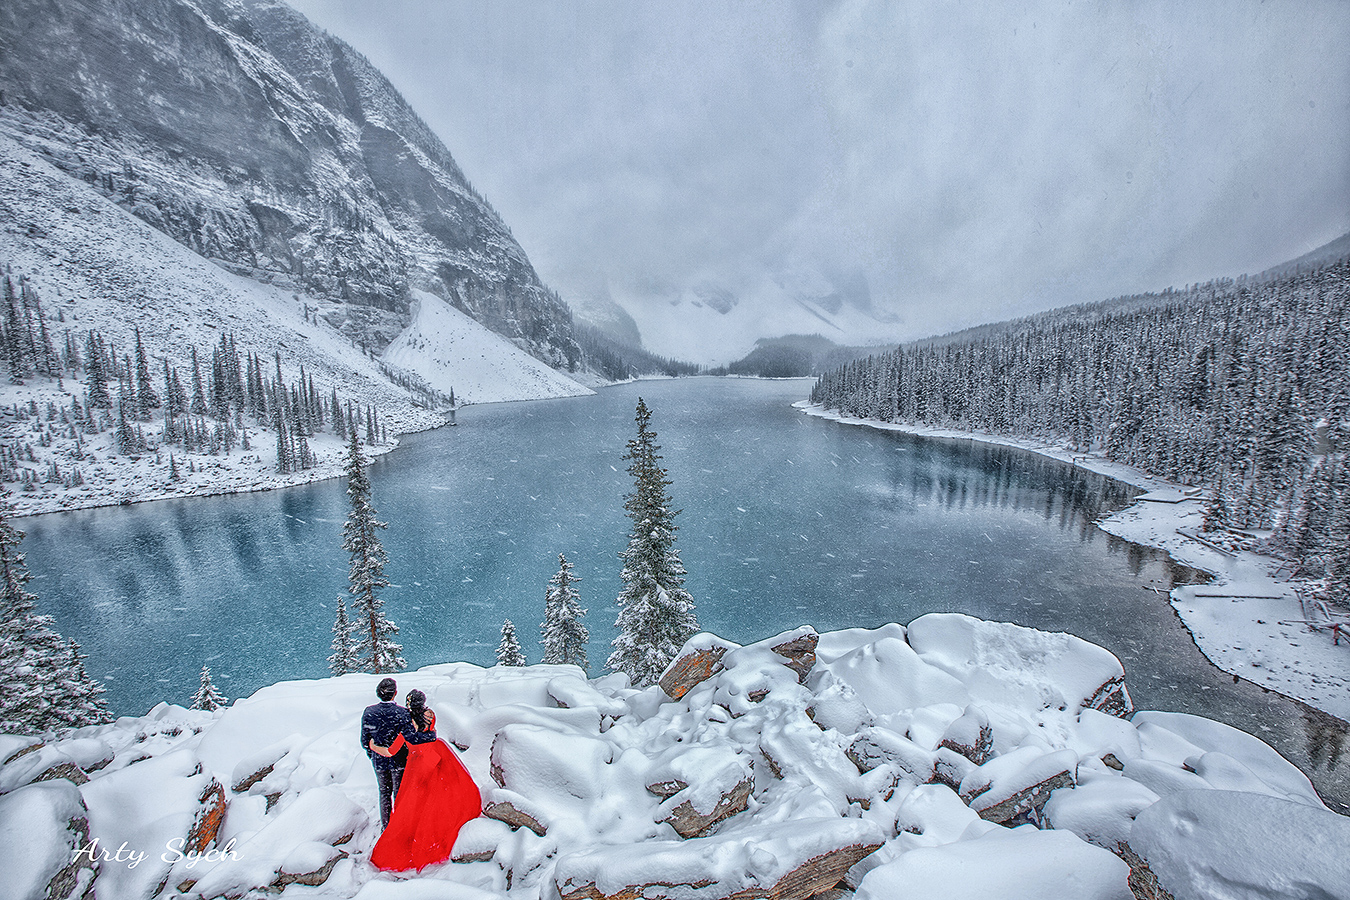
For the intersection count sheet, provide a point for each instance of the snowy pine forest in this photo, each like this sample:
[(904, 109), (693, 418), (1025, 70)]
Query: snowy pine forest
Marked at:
[(103, 400), (1240, 387)]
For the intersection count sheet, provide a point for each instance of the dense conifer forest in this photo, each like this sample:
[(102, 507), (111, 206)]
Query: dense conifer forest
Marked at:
[(219, 402), (1240, 387)]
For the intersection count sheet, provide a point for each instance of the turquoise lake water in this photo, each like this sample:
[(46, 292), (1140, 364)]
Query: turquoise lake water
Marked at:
[(787, 519)]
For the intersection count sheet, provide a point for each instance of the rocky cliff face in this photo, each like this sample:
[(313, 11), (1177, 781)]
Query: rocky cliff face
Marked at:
[(259, 141)]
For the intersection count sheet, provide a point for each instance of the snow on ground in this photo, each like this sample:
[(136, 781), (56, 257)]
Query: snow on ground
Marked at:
[(1248, 621), (95, 266), (600, 781), (449, 351)]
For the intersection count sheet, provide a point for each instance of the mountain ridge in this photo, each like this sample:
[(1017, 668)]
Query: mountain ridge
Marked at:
[(258, 141)]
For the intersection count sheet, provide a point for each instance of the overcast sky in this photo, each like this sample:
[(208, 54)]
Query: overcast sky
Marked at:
[(953, 163)]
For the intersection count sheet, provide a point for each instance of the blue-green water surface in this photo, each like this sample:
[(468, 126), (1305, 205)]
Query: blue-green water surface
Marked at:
[(787, 519)]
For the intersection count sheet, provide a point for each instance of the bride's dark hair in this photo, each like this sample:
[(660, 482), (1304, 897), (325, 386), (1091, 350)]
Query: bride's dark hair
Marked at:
[(417, 705)]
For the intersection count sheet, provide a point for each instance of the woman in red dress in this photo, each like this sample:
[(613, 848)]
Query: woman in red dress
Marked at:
[(436, 797)]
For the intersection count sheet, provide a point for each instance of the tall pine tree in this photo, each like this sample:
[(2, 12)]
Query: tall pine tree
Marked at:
[(564, 637), (376, 650), (43, 683), (656, 613), (343, 658)]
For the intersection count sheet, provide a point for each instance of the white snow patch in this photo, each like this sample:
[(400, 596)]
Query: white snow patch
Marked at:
[(449, 351)]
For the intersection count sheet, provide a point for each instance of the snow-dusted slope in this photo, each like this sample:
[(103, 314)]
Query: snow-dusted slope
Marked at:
[(450, 351), (898, 760), (249, 135), (98, 267)]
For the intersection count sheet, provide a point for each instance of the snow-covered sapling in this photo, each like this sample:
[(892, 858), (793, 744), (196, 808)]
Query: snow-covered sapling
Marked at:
[(564, 637), (207, 696), (508, 651)]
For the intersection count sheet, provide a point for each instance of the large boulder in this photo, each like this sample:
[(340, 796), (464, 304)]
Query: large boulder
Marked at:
[(970, 736), (880, 746), (1021, 668), (1002, 864), (698, 660), (1183, 740), (798, 647), (46, 852), (285, 846), (1018, 783), (690, 818), (152, 806), (1243, 846), (889, 677), (701, 786), (514, 810), (787, 861), (1100, 811)]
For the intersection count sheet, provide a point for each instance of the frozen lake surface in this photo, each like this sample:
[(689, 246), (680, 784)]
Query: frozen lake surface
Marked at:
[(787, 520)]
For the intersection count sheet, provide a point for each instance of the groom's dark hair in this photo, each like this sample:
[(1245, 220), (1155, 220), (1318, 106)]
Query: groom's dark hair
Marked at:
[(386, 689)]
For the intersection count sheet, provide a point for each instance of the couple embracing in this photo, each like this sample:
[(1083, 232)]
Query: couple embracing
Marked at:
[(426, 794)]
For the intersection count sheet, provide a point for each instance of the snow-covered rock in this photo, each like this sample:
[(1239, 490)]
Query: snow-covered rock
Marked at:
[(1100, 811), (1017, 783), (1002, 864), (45, 847), (791, 861), (1020, 667), (592, 788)]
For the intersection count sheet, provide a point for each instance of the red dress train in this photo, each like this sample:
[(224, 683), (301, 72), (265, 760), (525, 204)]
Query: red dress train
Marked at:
[(436, 797)]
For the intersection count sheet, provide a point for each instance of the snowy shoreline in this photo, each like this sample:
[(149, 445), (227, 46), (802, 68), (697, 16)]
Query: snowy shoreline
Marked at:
[(1248, 621)]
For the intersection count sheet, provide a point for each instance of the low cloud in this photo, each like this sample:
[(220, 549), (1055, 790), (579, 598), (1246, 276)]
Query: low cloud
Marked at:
[(942, 164)]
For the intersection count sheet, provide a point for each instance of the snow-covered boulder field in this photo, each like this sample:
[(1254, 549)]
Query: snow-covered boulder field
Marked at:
[(953, 758)]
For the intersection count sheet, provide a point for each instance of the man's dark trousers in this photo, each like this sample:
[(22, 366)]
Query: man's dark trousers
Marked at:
[(383, 723)]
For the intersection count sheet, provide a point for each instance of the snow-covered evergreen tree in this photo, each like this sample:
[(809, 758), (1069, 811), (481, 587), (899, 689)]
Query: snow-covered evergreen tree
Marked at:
[(43, 682), (1216, 507), (656, 613), (564, 637), (508, 651), (207, 696), (376, 649), (146, 398), (344, 658)]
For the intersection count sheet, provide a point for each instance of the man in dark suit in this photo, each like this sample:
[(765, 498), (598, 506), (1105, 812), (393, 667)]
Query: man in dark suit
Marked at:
[(382, 723)]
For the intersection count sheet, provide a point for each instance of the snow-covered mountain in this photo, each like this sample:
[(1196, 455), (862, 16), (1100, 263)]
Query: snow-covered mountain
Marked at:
[(262, 143), (715, 321)]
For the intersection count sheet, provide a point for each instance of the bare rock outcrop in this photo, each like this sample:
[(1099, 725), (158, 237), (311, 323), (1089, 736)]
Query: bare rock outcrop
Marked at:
[(209, 818), (1112, 698), (688, 821), (509, 811), (699, 660), (800, 651), (309, 864)]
